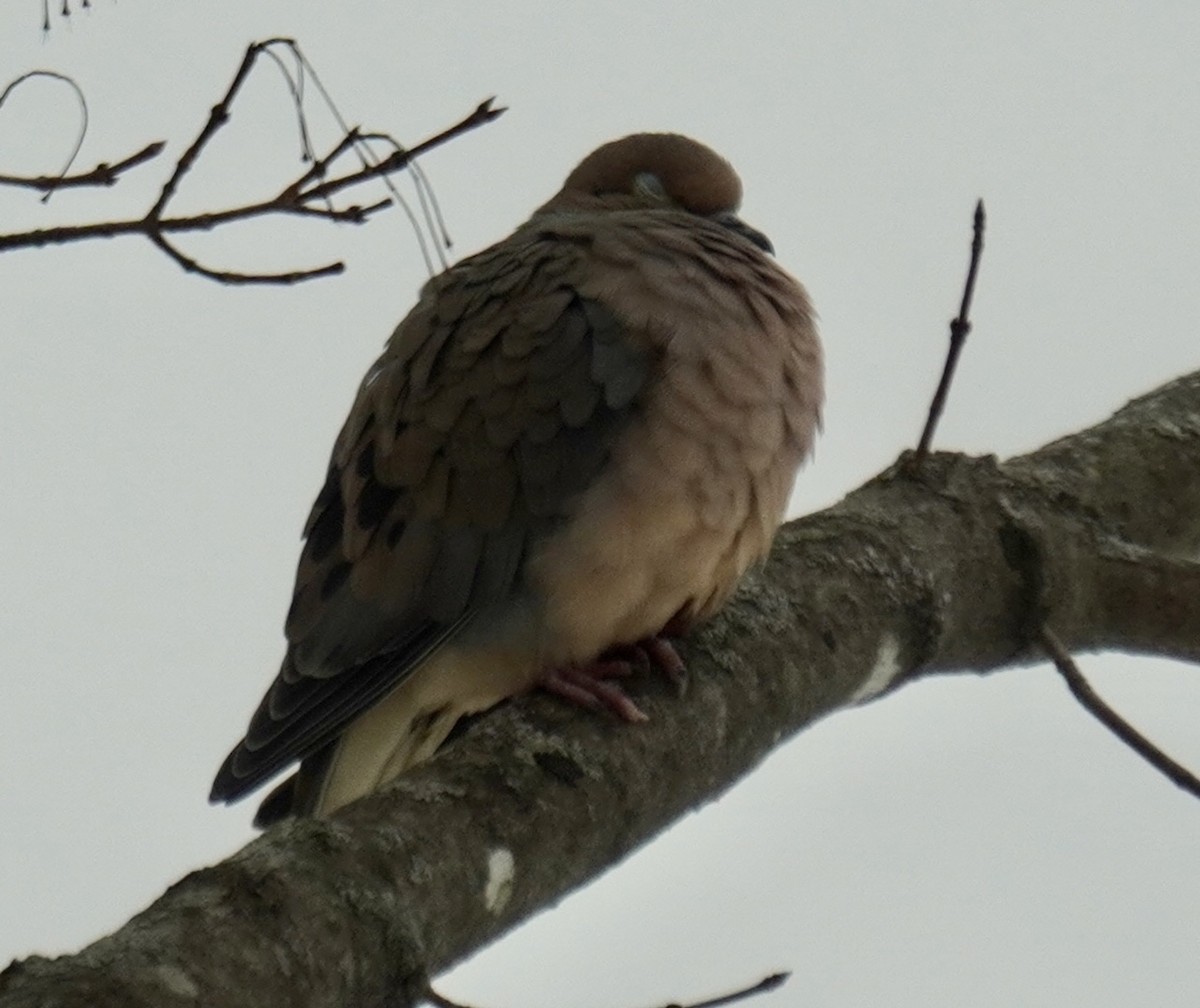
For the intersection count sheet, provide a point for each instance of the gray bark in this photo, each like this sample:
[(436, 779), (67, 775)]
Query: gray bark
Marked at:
[(954, 569)]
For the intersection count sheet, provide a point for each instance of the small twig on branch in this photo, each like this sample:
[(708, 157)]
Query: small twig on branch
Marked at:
[(764, 985), (295, 199), (83, 111), (102, 175), (959, 328), (430, 210), (347, 215), (190, 265), (1094, 705), (483, 113), (361, 146), (64, 11), (319, 166), (217, 117)]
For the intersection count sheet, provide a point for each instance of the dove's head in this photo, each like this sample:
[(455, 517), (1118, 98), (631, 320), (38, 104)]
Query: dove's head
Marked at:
[(658, 171)]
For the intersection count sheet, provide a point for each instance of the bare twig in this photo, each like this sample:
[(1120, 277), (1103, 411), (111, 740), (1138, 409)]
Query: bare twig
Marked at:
[(430, 209), (367, 157), (484, 112), (63, 12), (295, 199), (1094, 705), (348, 215), (222, 276), (763, 985), (319, 166), (295, 85), (959, 328), (217, 117), (766, 984), (83, 112), (103, 174)]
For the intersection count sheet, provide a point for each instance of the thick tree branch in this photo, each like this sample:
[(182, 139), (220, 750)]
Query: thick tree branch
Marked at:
[(954, 569)]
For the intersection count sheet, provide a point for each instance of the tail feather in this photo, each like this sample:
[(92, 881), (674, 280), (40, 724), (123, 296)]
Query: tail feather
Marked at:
[(403, 729)]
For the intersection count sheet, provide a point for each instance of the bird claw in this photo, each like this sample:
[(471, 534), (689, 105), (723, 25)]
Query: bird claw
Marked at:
[(592, 685), (661, 654)]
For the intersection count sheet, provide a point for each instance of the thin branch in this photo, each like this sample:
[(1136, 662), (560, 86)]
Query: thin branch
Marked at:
[(483, 113), (425, 196), (296, 88), (83, 112), (367, 157), (959, 328), (290, 200), (762, 987), (179, 225), (63, 12), (217, 117), (222, 276), (1094, 705), (347, 215), (320, 166), (103, 174), (294, 199), (77, 232)]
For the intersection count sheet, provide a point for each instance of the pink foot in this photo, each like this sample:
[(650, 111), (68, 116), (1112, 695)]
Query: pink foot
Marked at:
[(661, 653), (591, 685), (652, 653)]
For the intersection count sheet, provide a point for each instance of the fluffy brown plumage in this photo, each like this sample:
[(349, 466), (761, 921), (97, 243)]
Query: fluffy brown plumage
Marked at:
[(578, 436)]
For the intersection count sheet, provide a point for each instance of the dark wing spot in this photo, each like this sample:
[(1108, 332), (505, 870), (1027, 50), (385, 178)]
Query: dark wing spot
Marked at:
[(375, 501), (365, 465), (334, 579), (325, 530)]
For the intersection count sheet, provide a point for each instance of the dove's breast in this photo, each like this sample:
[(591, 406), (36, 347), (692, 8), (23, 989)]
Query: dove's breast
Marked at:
[(699, 478)]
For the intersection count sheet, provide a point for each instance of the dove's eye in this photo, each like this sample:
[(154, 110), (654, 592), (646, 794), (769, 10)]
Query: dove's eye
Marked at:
[(649, 184)]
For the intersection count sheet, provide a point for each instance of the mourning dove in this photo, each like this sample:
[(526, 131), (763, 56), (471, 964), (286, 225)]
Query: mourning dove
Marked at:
[(578, 439)]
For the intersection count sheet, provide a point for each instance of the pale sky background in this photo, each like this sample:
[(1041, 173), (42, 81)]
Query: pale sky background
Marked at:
[(968, 841)]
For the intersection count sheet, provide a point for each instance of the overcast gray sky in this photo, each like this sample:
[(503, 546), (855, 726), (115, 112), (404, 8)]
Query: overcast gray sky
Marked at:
[(969, 841)]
